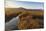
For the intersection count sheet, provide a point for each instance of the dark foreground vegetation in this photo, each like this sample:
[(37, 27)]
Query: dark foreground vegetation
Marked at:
[(30, 18)]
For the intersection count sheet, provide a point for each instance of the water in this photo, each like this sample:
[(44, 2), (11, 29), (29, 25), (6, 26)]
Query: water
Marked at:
[(12, 23)]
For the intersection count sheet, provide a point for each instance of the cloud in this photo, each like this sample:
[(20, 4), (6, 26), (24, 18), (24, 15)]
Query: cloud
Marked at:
[(10, 4), (13, 4)]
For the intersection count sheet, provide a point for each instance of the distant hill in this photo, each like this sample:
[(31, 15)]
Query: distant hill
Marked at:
[(13, 12), (17, 10), (24, 9)]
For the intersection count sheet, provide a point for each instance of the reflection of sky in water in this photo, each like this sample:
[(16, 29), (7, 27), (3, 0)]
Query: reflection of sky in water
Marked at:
[(28, 5), (12, 23)]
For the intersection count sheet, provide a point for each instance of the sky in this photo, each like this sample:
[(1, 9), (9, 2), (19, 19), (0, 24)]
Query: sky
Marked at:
[(24, 4)]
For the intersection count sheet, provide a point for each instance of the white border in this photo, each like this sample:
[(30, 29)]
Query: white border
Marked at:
[(2, 14)]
